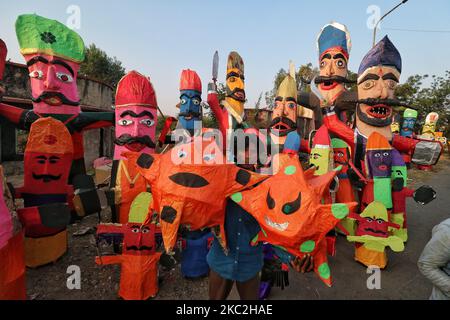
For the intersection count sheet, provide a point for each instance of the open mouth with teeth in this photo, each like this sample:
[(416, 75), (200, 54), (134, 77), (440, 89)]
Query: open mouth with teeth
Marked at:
[(281, 127), (239, 95), (380, 111), (277, 226), (328, 85)]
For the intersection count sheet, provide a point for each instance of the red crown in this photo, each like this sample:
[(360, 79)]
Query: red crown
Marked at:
[(322, 137), (190, 81), (135, 89)]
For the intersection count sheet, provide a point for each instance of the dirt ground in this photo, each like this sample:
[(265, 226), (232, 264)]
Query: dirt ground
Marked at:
[(401, 280)]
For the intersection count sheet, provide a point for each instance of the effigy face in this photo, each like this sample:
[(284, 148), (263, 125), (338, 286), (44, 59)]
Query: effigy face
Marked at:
[(429, 128), (53, 84), (53, 53), (135, 129), (373, 221), (235, 83), (377, 83), (139, 239), (136, 115), (190, 108), (333, 63), (341, 154), (284, 115), (48, 157), (380, 162), (408, 126)]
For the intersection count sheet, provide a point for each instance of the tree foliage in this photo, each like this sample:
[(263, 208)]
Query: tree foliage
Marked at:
[(99, 66), (432, 98)]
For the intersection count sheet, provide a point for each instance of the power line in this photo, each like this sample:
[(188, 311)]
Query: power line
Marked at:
[(417, 30)]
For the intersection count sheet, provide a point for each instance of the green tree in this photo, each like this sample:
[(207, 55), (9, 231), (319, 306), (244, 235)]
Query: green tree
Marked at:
[(99, 66), (432, 98)]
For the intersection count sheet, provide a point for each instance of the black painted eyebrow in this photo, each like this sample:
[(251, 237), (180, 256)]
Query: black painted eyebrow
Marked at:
[(278, 98), (370, 76), (36, 60), (43, 60), (188, 96), (326, 56), (390, 76), (235, 74), (339, 55), (65, 65), (134, 115), (41, 157), (290, 99)]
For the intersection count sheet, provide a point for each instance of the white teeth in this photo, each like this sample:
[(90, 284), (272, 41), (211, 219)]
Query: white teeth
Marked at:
[(278, 226)]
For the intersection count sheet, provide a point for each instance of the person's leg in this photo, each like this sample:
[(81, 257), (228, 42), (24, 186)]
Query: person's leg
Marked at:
[(219, 288), (248, 290)]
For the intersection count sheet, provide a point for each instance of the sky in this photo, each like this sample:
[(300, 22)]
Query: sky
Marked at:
[(160, 38)]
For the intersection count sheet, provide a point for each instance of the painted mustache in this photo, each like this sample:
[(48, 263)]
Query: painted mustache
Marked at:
[(46, 177), (283, 124), (323, 79), (62, 99), (191, 114), (237, 94), (378, 101), (127, 139), (374, 231)]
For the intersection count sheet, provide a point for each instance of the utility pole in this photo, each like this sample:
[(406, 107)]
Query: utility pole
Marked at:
[(376, 25)]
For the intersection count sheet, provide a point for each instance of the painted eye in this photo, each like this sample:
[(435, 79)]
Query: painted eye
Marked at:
[(323, 64), (340, 154), (53, 160), (147, 122), (379, 221), (391, 84), (181, 153), (269, 200), (135, 230), (124, 122), (209, 157), (196, 102), (64, 77), (36, 74), (291, 105), (232, 79), (41, 161), (291, 207), (385, 154), (377, 155), (369, 220), (145, 230), (340, 64), (183, 101), (368, 84)]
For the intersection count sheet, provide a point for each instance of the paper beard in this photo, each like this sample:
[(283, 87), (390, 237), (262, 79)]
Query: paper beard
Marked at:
[(288, 208), (191, 194)]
